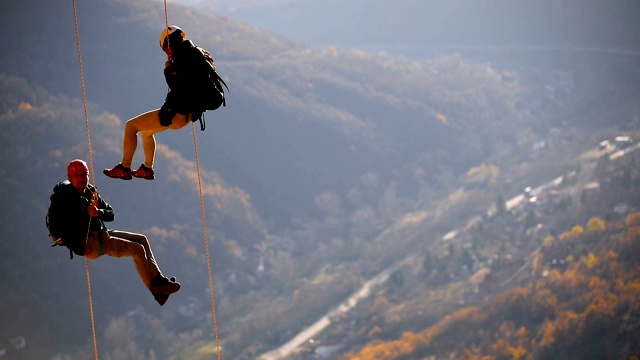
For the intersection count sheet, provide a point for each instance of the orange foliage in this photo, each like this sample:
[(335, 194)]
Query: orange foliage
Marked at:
[(573, 234), (598, 283), (633, 219), (548, 334), (563, 308), (564, 320), (388, 350), (374, 331), (631, 238), (410, 341), (504, 350), (602, 309), (510, 298), (517, 353), (596, 224), (549, 240), (380, 300), (590, 260), (25, 106), (566, 283)]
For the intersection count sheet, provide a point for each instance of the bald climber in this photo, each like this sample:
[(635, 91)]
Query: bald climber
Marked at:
[(76, 219)]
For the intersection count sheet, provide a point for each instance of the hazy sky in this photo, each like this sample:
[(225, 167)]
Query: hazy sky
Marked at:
[(400, 24)]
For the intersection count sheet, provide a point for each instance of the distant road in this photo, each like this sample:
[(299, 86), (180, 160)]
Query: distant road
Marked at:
[(292, 345)]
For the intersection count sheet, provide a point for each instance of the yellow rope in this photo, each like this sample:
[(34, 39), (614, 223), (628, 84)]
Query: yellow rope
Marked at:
[(86, 117)]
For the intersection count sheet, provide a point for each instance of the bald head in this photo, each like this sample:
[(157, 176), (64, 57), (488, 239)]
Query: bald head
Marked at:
[(78, 175)]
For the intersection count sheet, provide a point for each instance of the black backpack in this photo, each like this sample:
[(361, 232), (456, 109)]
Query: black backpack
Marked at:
[(65, 187), (56, 240), (211, 91)]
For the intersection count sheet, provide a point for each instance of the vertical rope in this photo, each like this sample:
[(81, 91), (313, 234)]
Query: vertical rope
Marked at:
[(166, 15), (86, 117), (84, 95), (212, 297), (166, 22), (206, 245), (93, 322)]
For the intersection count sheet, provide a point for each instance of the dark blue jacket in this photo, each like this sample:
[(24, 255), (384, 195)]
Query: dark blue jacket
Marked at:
[(186, 77), (69, 219)]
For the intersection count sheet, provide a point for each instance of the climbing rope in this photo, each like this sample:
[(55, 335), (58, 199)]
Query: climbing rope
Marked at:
[(166, 21), (206, 245), (86, 118), (92, 174), (204, 218)]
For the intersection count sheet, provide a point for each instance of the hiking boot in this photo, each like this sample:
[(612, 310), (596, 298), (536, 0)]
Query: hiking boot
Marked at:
[(118, 172), (162, 285), (160, 297), (143, 173)]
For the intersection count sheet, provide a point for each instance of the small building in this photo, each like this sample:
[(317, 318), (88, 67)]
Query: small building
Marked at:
[(622, 142), (621, 208)]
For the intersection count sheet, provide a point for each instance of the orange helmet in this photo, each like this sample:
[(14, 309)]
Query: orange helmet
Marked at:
[(166, 32), (77, 166)]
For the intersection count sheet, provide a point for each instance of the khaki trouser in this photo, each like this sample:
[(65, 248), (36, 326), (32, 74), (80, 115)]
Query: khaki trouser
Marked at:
[(147, 124), (121, 243)]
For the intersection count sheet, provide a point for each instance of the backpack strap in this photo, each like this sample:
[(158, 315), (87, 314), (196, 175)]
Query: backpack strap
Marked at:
[(203, 125), (214, 77), (212, 69)]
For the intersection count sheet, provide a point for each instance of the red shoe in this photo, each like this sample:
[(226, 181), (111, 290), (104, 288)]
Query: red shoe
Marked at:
[(118, 172), (143, 173)]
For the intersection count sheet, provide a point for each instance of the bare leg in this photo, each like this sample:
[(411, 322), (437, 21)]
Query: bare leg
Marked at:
[(147, 124)]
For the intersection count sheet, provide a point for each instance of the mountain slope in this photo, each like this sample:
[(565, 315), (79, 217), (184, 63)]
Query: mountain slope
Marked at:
[(41, 133), (317, 153)]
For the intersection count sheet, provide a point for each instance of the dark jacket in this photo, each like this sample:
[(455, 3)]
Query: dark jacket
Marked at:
[(68, 217), (186, 77)]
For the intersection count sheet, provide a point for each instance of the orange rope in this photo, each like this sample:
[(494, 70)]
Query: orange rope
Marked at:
[(166, 22), (86, 117), (206, 245), (204, 219)]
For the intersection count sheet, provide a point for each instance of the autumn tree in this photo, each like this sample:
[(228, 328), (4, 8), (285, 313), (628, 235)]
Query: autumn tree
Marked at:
[(596, 225)]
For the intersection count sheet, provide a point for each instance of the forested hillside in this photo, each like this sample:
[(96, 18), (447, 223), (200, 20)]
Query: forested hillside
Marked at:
[(325, 168), (444, 117), (581, 301), (525, 281)]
